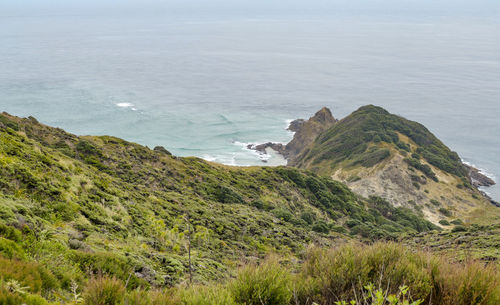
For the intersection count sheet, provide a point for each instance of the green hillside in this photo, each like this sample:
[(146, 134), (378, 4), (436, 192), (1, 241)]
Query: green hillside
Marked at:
[(376, 153), (87, 205), (351, 139)]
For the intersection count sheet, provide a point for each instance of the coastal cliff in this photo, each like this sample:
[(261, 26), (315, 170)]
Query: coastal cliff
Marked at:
[(306, 131), (380, 154)]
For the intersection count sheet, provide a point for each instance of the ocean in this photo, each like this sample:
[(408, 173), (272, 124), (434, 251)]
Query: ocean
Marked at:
[(208, 83)]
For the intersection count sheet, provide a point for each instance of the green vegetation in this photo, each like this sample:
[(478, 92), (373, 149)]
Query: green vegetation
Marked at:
[(327, 276), (445, 212), (444, 222), (360, 137), (98, 220), (470, 242), (372, 296), (424, 168), (88, 205)]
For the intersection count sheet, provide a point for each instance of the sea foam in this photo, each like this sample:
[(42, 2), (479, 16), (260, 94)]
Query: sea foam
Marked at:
[(481, 170), (126, 105)]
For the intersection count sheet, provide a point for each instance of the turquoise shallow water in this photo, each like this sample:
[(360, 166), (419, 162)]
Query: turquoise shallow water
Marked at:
[(206, 85)]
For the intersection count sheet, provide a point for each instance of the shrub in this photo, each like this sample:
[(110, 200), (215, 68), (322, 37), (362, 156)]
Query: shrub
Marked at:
[(282, 214), (308, 216), (104, 291), (390, 265), (371, 296), (472, 283), (261, 205), (10, 233), (424, 168), (28, 274), (320, 227), (435, 202), (372, 157), (226, 194), (444, 222), (338, 229), (10, 249), (445, 212), (459, 229), (457, 222), (109, 264), (11, 298), (267, 284), (215, 295)]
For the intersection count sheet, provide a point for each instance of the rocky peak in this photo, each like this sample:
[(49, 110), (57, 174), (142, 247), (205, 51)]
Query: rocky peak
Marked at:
[(323, 116), (306, 131)]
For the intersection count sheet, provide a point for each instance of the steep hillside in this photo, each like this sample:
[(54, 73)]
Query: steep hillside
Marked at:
[(378, 153), (82, 205)]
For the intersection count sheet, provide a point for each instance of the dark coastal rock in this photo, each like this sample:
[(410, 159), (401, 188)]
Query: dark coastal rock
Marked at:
[(295, 125), (305, 134), (262, 147), (477, 178), (162, 149)]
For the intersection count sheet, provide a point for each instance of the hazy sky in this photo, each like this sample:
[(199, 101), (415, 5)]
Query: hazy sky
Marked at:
[(432, 7)]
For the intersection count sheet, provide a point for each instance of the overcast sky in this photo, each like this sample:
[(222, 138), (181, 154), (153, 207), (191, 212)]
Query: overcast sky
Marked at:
[(435, 7)]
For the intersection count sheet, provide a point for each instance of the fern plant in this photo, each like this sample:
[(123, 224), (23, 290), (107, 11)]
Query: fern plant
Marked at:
[(372, 296)]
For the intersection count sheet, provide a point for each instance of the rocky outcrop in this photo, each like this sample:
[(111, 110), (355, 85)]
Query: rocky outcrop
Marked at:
[(295, 125), (280, 148), (162, 150), (305, 133), (477, 178)]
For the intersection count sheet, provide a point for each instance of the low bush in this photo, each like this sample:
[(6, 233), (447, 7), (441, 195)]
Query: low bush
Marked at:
[(334, 275), (266, 284), (457, 222), (388, 265), (28, 274), (321, 227), (215, 295), (104, 291), (444, 222), (327, 276), (11, 249), (445, 212), (459, 228)]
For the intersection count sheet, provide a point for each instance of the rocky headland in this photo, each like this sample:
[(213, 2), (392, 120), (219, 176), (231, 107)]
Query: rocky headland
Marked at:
[(306, 131), (390, 160)]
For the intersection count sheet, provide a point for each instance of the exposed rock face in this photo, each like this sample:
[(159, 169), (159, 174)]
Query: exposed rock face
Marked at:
[(400, 185), (295, 125), (162, 149), (477, 178), (262, 147), (305, 133), (308, 132), (350, 142)]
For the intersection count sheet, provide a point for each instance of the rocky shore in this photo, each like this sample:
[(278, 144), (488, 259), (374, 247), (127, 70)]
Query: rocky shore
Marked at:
[(477, 178), (306, 132)]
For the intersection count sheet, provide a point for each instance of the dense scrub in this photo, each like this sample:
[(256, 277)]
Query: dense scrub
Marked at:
[(84, 205), (326, 277), (461, 242), (360, 137), (98, 220)]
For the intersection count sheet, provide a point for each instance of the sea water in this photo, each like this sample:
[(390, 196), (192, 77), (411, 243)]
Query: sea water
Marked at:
[(209, 82)]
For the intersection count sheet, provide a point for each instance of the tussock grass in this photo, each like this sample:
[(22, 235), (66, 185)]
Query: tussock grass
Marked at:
[(364, 273)]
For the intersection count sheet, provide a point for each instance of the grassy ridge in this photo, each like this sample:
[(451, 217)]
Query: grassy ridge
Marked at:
[(359, 137), (384, 273), (81, 206)]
